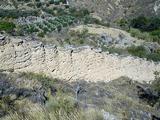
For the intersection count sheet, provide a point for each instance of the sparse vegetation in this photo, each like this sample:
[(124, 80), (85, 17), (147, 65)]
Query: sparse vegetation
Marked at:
[(78, 37), (49, 25), (61, 106), (138, 51), (142, 27), (17, 13)]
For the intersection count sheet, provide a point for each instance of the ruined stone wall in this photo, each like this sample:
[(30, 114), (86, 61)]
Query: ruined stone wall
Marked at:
[(84, 64)]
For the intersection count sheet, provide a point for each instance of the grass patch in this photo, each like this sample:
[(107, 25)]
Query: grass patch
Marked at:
[(46, 81), (41, 34), (153, 36), (7, 26), (61, 102), (141, 52), (140, 35), (78, 37)]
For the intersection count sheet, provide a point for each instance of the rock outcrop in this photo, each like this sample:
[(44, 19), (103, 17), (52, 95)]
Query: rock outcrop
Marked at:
[(73, 64), (112, 10)]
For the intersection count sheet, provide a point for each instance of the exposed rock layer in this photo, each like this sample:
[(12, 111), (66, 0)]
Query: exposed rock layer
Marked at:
[(116, 9), (85, 64)]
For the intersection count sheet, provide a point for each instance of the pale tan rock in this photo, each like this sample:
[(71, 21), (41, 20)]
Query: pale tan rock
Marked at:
[(85, 64)]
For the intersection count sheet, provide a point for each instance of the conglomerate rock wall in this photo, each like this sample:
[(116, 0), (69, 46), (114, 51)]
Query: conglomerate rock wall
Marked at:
[(73, 64)]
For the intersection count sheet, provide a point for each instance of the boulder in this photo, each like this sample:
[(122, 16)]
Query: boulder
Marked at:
[(53, 91), (2, 40), (38, 96), (123, 41), (106, 39), (2, 37)]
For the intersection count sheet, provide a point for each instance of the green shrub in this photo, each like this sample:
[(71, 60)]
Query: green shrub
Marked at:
[(56, 1), (6, 105), (90, 20), (155, 35), (32, 29), (140, 35), (81, 41), (145, 28), (122, 23), (155, 85), (141, 52), (7, 26), (41, 34), (154, 57), (17, 13), (39, 4), (46, 81), (137, 51), (156, 82), (78, 13), (134, 32), (140, 22), (61, 102), (146, 23), (50, 11)]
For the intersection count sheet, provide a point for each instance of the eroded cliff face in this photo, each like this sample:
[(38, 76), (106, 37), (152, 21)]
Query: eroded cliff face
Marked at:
[(115, 9), (73, 64)]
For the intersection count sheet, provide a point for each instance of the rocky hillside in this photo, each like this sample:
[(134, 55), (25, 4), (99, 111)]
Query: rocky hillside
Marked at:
[(84, 63), (113, 9), (37, 97), (107, 9), (79, 60)]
